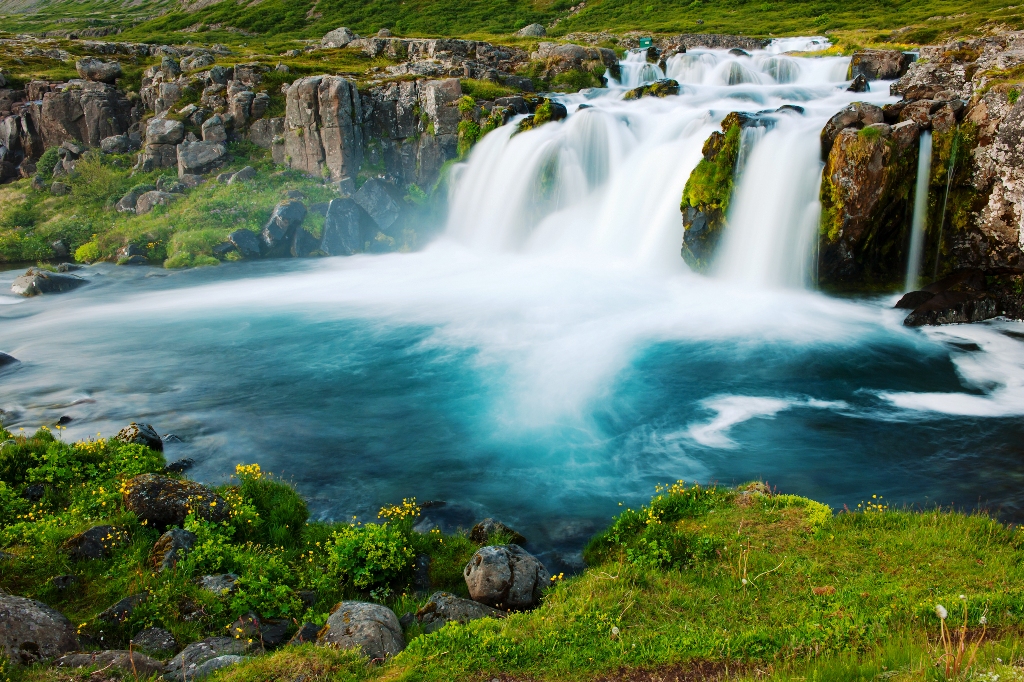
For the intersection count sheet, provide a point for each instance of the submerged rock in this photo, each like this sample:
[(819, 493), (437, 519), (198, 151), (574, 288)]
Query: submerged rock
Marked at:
[(6, 360), (32, 632), (506, 577), (37, 281), (665, 87), (372, 628)]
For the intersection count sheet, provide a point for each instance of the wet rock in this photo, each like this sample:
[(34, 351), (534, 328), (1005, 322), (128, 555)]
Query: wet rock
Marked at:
[(876, 65), (130, 662), (444, 608), (7, 360), (155, 640), (307, 633), (506, 577), (95, 543), (376, 198), (36, 281), (122, 610), (859, 84), (304, 244), (545, 112), (171, 548), (143, 434), (163, 502), (370, 627), (952, 307), (31, 632), (913, 299), (532, 31), (98, 70), (855, 115), (346, 227), (247, 243), (220, 584), (662, 88), (486, 529), (180, 466), (185, 665), (277, 234), (198, 158)]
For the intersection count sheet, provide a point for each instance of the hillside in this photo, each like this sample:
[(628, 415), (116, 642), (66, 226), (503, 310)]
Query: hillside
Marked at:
[(905, 21)]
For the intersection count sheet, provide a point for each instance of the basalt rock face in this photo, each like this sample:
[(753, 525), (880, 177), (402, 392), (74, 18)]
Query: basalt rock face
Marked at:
[(323, 135)]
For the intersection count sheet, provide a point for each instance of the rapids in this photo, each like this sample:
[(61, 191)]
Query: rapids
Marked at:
[(550, 355)]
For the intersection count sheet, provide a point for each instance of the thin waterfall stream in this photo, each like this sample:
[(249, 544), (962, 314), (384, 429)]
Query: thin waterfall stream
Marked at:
[(917, 225)]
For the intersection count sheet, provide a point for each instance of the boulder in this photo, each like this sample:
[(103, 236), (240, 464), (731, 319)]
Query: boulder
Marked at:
[(184, 665), (277, 234), (213, 129), (31, 632), (95, 543), (7, 360), (123, 610), (874, 65), (346, 227), (60, 189), (247, 243), (953, 307), (506, 577), (269, 633), (662, 88), (164, 131), (198, 158), (855, 115), (370, 627), (116, 144), (220, 584), (172, 547), (142, 434), (196, 62), (149, 200), (532, 31), (178, 466), (376, 198), (306, 633), (155, 640), (483, 531), (207, 668), (859, 84), (247, 173), (161, 501), (97, 70), (130, 662), (36, 281), (446, 608)]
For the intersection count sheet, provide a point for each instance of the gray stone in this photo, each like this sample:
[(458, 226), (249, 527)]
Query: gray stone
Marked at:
[(277, 233), (36, 281), (247, 243), (196, 62), (304, 244), (60, 189), (506, 577), (324, 135), (185, 664), (375, 197), (171, 548), (532, 31), (97, 70), (116, 144), (372, 628), (191, 180), (444, 608), (198, 158), (156, 640), (149, 200), (223, 583), (31, 632), (164, 131), (131, 662), (209, 667), (346, 227), (339, 37), (247, 173), (307, 633)]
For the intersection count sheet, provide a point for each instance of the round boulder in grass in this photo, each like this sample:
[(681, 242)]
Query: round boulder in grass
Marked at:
[(161, 501), (30, 631), (506, 577), (371, 627)]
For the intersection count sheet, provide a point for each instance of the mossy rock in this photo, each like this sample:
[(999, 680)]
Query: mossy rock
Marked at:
[(545, 112), (707, 194), (662, 88)]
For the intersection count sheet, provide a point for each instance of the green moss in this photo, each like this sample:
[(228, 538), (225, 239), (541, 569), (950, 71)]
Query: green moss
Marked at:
[(469, 133), (953, 199), (708, 192), (665, 87)]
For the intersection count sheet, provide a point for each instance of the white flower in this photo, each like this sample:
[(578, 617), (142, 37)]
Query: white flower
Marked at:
[(744, 581), (940, 611), (615, 631), (982, 621), (964, 597)]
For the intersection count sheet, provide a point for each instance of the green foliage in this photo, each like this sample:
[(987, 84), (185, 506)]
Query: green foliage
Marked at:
[(869, 133), (281, 512), (485, 90), (370, 556), (469, 133), (94, 180), (575, 80), (46, 163), (709, 187)]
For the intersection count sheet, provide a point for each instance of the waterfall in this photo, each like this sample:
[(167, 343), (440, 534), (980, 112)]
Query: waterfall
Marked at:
[(917, 227), (606, 182)]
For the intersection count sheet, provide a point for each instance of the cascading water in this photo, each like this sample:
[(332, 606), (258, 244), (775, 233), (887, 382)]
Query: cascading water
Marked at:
[(917, 226)]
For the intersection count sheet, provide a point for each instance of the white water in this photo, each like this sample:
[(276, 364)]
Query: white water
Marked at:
[(917, 226)]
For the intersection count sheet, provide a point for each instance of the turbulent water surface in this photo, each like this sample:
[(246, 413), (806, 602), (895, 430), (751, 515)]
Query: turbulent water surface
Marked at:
[(550, 355)]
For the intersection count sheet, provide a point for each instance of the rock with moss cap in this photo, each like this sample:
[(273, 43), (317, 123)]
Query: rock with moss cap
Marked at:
[(665, 87), (161, 501)]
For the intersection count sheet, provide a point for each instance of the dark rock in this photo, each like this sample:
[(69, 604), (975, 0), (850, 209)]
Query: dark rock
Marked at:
[(163, 502), (171, 548), (859, 84), (304, 244), (97, 70), (446, 608), (483, 531), (876, 65), (952, 307), (34, 492), (376, 197), (266, 633), (277, 233), (142, 434), (64, 420), (95, 543), (220, 584), (347, 227), (307, 633), (6, 360), (662, 88), (155, 640), (371, 627), (59, 189), (37, 281), (31, 632), (180, 466), (223, 249), (247, 243), (308, 597), (506, 577), (130, 662), (913, 299), (407, 619), (185, 664), (128, 251), (122, 610), (855, 115), (421, 575), (191, 180), (171, 438), (63, 582), (68, 267)]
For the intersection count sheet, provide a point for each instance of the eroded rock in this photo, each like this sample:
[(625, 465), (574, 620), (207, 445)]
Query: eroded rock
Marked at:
[(506, 577)]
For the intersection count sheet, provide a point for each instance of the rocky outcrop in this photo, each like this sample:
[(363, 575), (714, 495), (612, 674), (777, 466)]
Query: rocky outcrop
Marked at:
[(876, 65), (562, 58), (444, 608), (163, 502), (372, 628), (31, 632), (323, 135), (506, 577), (867, 201)]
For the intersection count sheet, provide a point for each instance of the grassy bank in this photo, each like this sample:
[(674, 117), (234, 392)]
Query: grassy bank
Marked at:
[(740, 583)]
